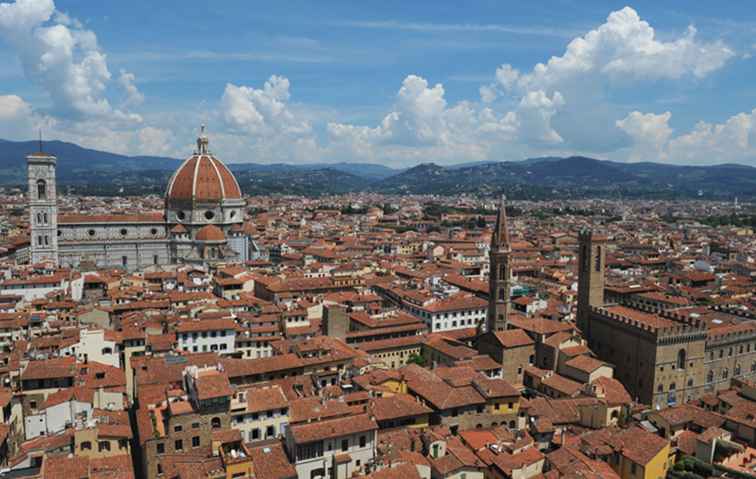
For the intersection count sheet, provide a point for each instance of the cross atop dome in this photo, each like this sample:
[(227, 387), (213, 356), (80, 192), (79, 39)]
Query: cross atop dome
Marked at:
[(202, 142)]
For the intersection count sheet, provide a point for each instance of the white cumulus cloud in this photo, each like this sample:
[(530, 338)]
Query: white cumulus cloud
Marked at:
[(421, 126), (62, 57), (733, 141), (133, 96), (622, 52), (261, 111), (649, 132)]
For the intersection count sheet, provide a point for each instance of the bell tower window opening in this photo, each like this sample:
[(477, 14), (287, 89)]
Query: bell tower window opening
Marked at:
[(597, 264), (502, 272), (41, 189)]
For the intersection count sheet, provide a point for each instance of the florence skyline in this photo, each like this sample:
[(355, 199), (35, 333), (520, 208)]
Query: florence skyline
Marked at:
[(399, 86)]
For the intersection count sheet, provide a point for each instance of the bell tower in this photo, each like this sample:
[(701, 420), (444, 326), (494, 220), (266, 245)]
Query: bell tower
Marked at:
[(591, 265), (43, 207), (500, 274)]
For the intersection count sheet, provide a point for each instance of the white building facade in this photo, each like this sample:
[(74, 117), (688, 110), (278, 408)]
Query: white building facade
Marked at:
[(202, 221)]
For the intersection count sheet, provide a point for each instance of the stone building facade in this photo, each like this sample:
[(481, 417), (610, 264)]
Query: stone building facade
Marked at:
[(203, 221), (662, 356)]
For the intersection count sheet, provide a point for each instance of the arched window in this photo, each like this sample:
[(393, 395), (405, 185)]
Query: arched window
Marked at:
[(39, 218), (597, 264), (681, 359), (502, 272), (660, 388), (86, 445), (41, 189), (710, 377), (44, 218), (737, 370), (215, 423), (725, 373)]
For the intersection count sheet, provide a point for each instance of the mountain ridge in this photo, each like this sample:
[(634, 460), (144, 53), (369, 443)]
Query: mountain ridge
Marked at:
[(531, 178)]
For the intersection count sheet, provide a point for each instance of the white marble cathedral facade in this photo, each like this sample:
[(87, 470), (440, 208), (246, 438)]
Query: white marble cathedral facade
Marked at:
[(203, 221)]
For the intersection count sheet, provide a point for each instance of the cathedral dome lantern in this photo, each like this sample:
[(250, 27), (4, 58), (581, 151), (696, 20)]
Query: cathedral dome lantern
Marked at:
[(203, 190)]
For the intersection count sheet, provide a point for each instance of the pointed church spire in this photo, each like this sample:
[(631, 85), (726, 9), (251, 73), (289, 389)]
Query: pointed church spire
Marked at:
[(500, 240)]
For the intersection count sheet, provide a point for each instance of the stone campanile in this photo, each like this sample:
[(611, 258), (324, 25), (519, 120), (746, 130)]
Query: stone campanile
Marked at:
[(43, 208), (500, 274), (591, 265)]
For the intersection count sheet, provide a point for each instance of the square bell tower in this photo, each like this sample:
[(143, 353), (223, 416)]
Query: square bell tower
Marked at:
[(43, 208)]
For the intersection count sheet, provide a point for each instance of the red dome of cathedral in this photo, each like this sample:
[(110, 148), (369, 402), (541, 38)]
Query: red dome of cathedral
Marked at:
[(202, 178)]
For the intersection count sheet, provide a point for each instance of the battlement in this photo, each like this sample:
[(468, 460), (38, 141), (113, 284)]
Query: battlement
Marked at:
[(661, 324), (734, 311), (731, 335), (675, 316)]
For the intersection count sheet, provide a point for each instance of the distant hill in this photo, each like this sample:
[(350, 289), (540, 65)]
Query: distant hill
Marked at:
[(296, 181), (75, 164), (98, 172), (368, 171), (575, 176)]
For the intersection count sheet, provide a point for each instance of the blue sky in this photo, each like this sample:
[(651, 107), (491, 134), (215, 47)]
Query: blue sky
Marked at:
[(390, 82)]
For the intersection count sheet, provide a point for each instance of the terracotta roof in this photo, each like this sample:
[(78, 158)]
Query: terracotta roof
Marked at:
[(636, 444), (330, 428), (202, 178), (271, 462), (211, 386), (397, 406), (210, 233), (266, 398), (513, 338), (398, 471), (585, 363)]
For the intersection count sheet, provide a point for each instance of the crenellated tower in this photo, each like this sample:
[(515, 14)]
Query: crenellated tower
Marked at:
[(591, 265)]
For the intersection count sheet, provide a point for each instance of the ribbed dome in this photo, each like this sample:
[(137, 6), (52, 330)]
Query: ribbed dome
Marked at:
[(202, 178), (210, 233)]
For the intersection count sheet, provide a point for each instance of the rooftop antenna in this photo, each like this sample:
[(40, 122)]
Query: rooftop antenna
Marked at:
[(40, 140)]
